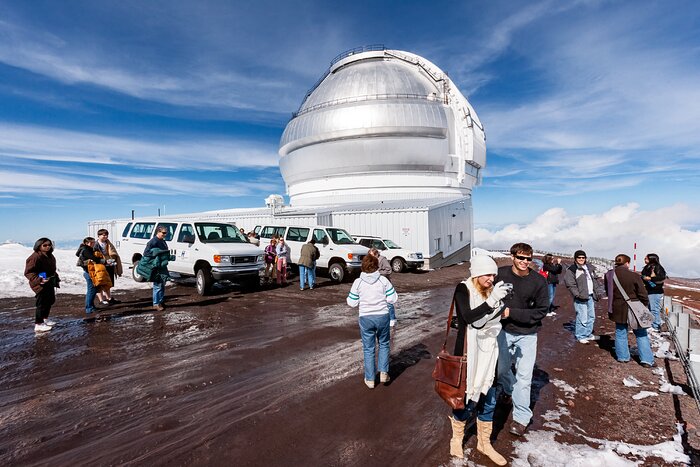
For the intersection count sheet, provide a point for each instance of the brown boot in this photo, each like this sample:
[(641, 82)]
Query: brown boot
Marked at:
[(483, 443), (456, 449)]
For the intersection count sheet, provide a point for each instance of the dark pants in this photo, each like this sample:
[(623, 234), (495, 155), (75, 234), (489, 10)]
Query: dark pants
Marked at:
[(44, 300)]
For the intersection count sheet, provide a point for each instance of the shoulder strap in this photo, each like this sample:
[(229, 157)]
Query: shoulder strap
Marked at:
[(619, 286), (447, 331)]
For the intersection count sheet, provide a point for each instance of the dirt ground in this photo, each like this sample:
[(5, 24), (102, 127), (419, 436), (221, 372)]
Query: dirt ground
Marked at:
[(274, 377)]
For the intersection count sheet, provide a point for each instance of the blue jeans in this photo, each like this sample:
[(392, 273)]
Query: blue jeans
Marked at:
[(551, 288), (312, 275), (392, 311), (622, 348), (90, 294), (656, 302), (306, 274), (375, 328), (585, 317), (158, 293), (484, 408), (522, 350)]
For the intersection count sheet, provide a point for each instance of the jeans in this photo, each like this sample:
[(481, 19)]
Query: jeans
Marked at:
[(158, 293), (523, 351), (90, 294), (656, 302), (306, 274), (392, 311), (375, 328), (484, 408), (312, 273), (551, 288), (585, 317), (622, 348)]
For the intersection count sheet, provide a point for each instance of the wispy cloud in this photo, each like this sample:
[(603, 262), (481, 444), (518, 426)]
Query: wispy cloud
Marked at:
[(204, 153)]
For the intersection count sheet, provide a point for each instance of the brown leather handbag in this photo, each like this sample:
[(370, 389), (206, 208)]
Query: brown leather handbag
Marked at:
[(450, 373)]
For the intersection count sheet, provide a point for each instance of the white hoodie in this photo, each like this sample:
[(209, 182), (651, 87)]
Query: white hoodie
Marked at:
[(372, 292)]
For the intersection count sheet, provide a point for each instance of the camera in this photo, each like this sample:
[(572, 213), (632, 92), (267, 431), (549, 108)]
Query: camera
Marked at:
[(509, 287)]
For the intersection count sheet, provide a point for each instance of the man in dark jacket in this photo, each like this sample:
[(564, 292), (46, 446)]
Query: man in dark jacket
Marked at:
[(618, 310), (307, 263), (654, 275), (157, 247), (581, 280), (517, 342)]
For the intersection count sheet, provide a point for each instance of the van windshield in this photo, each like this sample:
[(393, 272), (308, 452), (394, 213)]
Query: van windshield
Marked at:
[(340, 237), (391, 245), (218, 233)]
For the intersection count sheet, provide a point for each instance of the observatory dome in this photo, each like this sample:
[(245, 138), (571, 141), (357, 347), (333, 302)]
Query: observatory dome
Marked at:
[(379, 125)]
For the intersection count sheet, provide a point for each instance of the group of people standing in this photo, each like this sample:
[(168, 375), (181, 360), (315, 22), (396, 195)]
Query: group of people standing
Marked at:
[(278, 258)]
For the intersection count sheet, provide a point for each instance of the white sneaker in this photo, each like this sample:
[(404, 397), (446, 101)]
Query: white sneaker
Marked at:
[(384, 377), (49, 322), (370, 384), (583, 341), (41, 327), (593, 338), (392, 323)]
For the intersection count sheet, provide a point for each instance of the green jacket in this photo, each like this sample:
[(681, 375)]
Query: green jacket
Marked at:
[(154, 265)]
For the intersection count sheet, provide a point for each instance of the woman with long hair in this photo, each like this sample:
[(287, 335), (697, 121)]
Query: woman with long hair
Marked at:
[(654, 275), (40, 271), (479, 312)]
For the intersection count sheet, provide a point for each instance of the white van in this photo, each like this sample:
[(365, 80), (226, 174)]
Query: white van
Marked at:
[(340, 255), (400, 258), (209, 251)]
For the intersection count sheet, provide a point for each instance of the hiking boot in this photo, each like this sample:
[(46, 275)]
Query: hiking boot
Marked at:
[(517, 429), (369, 383), (647, 365), (384, 377), (41, 327)]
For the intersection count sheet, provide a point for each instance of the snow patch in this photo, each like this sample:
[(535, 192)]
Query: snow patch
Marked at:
[(644, 395), (670, 388), (569, 391), (631, 382)]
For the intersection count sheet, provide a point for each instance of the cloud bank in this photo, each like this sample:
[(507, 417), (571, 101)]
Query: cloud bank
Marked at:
[(662, 231)]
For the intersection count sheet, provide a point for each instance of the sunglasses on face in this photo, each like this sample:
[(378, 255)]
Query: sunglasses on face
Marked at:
[(45, 244), (580, 257), (523, 258)]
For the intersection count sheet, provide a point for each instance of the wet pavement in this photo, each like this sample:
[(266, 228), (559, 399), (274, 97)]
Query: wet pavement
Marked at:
[(272, 377)]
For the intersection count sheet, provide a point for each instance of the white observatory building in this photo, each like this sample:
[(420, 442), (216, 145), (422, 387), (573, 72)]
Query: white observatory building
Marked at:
[(384, 144)]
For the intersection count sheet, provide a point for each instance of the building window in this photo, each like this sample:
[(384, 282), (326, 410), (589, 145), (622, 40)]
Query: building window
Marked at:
[(461, 237), (449, 240), (437, 244)]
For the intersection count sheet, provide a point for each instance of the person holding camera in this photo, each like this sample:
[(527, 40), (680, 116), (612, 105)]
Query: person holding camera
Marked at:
[(517, 343), (113, 264), (88, 258), (479, 312), (40, 271)]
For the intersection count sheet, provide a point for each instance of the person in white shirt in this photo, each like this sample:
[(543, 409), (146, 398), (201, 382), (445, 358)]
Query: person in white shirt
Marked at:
[(373, 293)]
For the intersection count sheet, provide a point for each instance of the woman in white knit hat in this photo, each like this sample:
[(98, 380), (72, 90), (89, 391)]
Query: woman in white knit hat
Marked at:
[(479, 313)]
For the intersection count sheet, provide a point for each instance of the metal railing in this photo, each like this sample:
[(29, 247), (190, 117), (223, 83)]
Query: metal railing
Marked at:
[(367, 97), (687, 341)]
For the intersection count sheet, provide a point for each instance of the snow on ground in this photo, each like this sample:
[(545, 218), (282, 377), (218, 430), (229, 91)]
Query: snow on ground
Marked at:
[(681, 287), (13, 284)]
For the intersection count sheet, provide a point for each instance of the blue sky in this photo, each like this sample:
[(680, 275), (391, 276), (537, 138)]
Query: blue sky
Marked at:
[(107, 107)]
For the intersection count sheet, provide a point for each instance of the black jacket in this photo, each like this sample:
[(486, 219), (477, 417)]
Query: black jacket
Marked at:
[(657, 279), (529, 303), (85, 254), (553, 271)]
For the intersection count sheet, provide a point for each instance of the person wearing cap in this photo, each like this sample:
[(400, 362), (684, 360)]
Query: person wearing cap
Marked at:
[(526, 307), (479, 306), (581, 280)]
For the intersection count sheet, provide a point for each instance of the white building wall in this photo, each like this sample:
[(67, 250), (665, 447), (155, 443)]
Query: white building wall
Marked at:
[(446, 223)]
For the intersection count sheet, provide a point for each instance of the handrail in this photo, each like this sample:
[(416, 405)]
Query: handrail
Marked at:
[(357, 50), (366, 97)]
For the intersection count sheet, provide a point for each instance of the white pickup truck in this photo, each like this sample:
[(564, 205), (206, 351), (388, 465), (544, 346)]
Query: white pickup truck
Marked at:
[(209, 251)]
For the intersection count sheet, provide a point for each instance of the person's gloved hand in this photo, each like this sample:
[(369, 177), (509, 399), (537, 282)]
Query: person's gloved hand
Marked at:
[(499, 292)]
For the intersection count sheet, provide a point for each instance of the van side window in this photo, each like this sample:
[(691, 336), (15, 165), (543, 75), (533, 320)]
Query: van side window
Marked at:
[(171, 230), (126, 229), (142, 230), (297, 234), (378, 244), (279, 231), (319, 235), (186, 234), (268, 231), (366, 242)]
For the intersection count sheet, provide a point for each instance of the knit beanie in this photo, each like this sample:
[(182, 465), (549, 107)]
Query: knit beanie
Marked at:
[(482, 265), (580, 253)]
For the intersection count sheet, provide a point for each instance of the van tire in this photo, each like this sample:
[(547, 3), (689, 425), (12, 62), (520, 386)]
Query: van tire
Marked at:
[(135, 275), (398, 264), (336, 272), (204, 281)]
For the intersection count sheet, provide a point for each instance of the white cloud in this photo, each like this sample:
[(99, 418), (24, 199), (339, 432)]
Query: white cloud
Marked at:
[(204, 153), (616, 230)]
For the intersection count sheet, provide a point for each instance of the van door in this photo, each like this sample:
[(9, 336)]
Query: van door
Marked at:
[(133, 245), (295, 238), (184, 249), (324, 247)]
